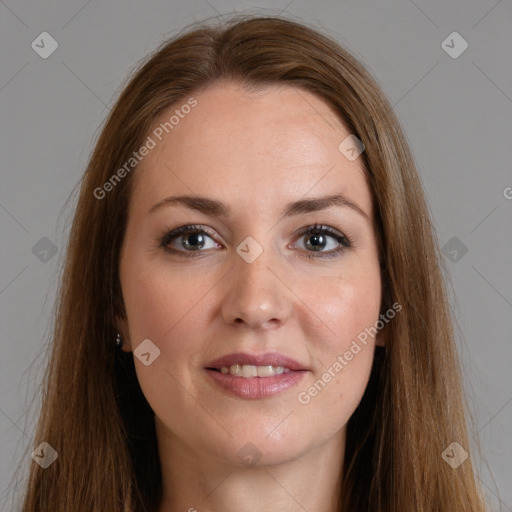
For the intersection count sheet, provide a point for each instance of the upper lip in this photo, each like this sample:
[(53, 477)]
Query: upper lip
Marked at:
[(267, 359)]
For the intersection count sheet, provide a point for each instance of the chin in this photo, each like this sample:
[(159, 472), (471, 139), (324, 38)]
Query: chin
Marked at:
[(256, 449)]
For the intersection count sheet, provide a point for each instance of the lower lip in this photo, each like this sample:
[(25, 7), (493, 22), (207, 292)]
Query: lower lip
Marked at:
[(257, 387)]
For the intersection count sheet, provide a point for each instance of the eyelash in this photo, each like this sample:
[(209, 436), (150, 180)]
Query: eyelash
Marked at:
[(169, 235)]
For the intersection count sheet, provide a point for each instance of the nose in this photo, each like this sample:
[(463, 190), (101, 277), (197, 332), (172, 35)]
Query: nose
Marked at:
[(256, 295)]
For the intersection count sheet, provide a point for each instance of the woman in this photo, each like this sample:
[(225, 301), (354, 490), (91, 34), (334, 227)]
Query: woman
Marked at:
[(252, 314)]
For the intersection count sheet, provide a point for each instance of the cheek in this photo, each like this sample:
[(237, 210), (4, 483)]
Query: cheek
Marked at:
[(166, 306), (339, 308), (159, 301), (339, 323), (170, 307)]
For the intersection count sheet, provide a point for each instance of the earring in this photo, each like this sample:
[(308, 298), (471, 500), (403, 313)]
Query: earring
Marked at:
[(119, 341)]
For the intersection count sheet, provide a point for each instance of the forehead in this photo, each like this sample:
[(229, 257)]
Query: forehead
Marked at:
[(269, 147)]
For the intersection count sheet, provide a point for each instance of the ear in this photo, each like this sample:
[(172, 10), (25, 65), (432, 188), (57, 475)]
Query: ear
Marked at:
[(381, 337), (121, 325)]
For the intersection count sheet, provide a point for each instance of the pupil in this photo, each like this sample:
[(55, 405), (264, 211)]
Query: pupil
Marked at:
[(196, 238), (319, 238)]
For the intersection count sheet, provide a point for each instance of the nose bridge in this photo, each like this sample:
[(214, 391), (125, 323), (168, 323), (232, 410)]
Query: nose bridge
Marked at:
[(255, 295)]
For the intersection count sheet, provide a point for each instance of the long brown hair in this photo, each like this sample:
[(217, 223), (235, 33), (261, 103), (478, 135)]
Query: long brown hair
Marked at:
[(93, 411)]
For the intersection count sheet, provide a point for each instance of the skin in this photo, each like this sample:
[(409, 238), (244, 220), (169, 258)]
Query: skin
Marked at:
[(255, 152)]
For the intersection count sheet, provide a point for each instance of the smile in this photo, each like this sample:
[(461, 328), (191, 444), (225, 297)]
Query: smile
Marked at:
[(249, 370)]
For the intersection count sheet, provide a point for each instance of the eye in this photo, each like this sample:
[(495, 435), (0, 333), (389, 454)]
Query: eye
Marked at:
[(187, 239), (317, 238)]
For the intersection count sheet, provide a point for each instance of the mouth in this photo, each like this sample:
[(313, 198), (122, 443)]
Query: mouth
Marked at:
[(255, 376), (241, 364), (249, 370)]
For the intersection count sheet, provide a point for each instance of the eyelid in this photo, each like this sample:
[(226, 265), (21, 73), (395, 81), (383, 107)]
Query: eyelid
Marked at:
[(323, 228), (168, 234)]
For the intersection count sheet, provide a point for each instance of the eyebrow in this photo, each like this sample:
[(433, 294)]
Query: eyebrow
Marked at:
[(218, 209)]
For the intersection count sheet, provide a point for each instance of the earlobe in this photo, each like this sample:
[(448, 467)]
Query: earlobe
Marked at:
[(126, 346), (380, 338), (380, 342), (122, 329)]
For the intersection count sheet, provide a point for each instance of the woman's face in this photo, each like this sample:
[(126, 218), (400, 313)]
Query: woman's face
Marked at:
[(252, 282)]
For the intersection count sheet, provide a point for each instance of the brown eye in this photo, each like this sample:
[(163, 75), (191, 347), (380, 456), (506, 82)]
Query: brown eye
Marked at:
[(317, 239), (193, 239)]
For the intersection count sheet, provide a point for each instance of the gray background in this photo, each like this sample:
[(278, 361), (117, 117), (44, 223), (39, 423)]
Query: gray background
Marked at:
[(457, 113)]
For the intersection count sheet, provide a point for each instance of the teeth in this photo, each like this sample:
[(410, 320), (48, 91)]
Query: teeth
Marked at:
[(249, 370)]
